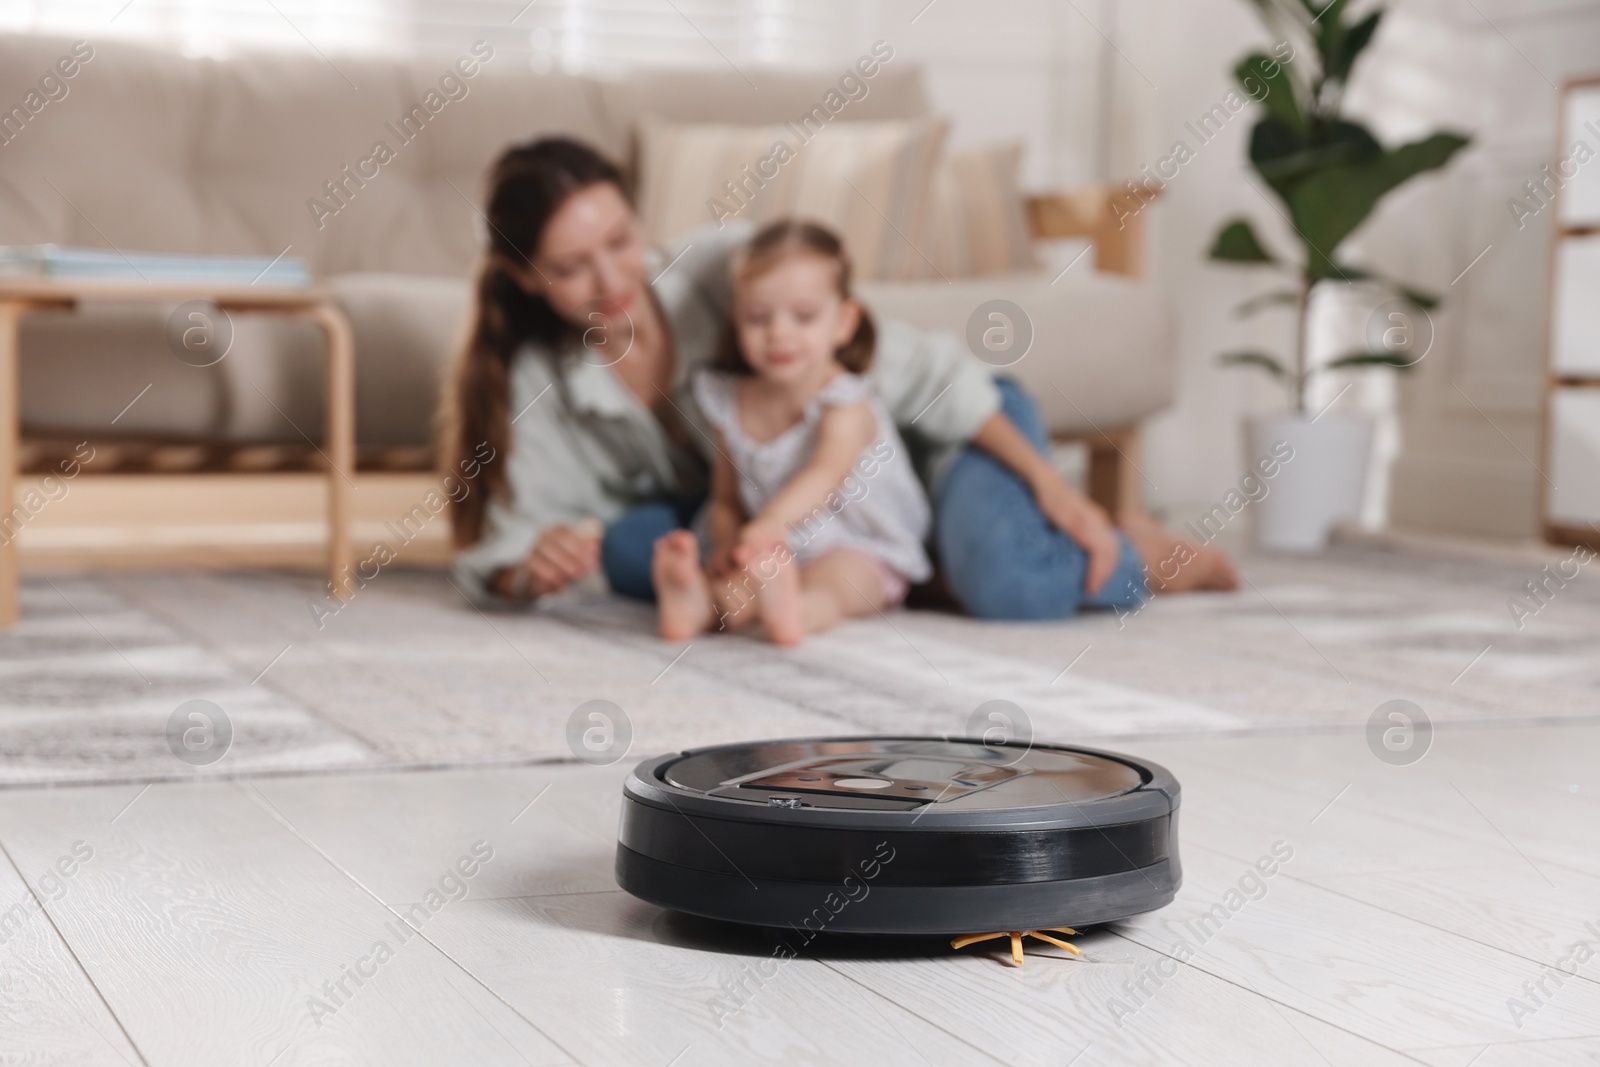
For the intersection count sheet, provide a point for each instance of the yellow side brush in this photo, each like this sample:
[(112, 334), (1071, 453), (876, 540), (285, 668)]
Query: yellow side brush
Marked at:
[(1016, 937)]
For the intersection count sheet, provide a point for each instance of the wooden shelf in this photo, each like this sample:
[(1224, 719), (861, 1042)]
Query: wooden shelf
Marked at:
[(131, 521), (1557, 531)]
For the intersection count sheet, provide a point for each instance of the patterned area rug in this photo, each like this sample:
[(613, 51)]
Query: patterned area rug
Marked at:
[(409, 674)]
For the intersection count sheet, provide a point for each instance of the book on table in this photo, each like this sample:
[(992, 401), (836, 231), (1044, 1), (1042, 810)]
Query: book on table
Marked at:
[(66, 263)]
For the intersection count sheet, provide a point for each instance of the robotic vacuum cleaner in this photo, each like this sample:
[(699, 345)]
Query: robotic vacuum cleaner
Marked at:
[(900, 835)]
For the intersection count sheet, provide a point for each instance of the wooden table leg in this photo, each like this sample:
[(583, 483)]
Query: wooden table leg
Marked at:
[(1113, 469), (340, 440), (10, 458)]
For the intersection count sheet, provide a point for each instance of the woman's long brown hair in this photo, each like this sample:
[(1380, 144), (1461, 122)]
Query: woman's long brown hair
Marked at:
[(527, 184)]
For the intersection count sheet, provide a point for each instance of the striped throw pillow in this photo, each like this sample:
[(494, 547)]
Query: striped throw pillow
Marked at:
[(976, 221), (868, 181)]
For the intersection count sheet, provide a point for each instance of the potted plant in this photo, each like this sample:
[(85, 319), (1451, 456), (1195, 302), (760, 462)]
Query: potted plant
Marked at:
[(1328, 172)]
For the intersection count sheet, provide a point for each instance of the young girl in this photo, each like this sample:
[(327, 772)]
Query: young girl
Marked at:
[(815, 512)]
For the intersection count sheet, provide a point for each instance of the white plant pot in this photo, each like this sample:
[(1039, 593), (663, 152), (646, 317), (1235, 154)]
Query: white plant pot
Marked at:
[(1322, 482)]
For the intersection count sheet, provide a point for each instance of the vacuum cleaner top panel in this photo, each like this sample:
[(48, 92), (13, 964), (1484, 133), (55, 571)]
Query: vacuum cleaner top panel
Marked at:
[(937, 783)]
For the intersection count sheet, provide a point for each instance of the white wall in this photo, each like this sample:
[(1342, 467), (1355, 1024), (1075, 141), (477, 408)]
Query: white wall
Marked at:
[(1001, 70)]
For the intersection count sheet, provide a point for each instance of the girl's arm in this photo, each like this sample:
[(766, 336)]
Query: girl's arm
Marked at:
[(843, 432), (1068, 509)]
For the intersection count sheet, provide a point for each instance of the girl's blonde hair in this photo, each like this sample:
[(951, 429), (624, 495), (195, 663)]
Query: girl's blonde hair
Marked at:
[(778, 241)]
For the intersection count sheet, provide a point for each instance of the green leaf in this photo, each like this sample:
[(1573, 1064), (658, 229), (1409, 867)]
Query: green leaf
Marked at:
[(1330, 30), (1362, 143), (1425, 301), (1272, 140), (1327, 206), (1266, 300), (1354, 41), (1237, 243), (1267, 363), (1283, 160), (1272, 144), (1371, 359), (1265, 81)]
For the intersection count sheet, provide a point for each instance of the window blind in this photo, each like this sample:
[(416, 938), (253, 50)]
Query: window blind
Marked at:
[(571, 35)]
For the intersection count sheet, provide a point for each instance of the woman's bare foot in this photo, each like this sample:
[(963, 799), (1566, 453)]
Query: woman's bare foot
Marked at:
[(778, 598), (1174, 565), (683, 599)]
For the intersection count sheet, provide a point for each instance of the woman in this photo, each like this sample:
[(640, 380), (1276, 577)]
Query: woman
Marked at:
[(575, 380)]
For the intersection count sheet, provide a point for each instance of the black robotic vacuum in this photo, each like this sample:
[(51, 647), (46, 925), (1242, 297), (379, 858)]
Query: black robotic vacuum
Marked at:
[(900, 835)]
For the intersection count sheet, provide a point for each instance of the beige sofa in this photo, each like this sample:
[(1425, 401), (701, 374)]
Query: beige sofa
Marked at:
[(151, 151)]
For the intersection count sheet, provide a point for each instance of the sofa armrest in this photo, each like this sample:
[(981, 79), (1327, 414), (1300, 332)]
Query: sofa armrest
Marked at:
[(1111, 216)]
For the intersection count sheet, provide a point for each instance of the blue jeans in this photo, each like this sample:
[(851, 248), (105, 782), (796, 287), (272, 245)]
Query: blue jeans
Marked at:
[(999, 556), (628, 544)]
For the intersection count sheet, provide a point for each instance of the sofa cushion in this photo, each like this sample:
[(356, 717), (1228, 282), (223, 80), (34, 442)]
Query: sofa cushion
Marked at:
[(976, 223), (270, 386), (407, 331), (1101, 354), (307, 123), (779, 95), (106, 164), (502, 106), (79, 370), (153, 151), (869, 181)]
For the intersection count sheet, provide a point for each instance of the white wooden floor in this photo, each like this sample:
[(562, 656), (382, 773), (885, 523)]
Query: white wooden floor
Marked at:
[(198, 921)]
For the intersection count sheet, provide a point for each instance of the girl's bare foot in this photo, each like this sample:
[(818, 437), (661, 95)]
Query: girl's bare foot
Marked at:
[(779, 597), (1174, 565), (683, 599)]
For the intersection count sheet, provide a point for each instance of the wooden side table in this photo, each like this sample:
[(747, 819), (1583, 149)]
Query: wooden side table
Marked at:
[(19, 296)]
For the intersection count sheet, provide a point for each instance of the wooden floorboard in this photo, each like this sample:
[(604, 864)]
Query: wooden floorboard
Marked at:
[(50, 1012), (1572, 1052), (1126, 1005), (1417, 902), (210, 926), (618, 981), (1456, 874), (1369, 971)]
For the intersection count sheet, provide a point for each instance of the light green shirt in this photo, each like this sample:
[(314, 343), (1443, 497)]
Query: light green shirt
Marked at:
[(583, 447)]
